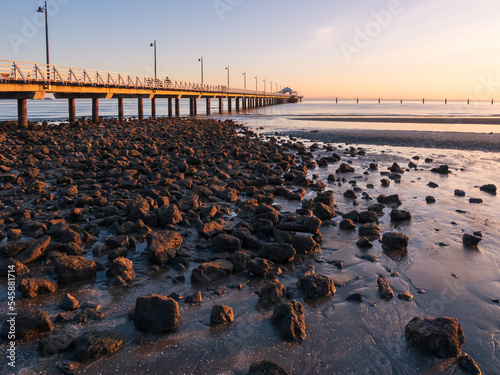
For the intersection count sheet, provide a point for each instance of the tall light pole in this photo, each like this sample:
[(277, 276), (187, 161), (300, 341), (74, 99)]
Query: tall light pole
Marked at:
[(154, 45), (201, 60), (256, 89), (264, 86), (245, 80), (227, 68), (276, 87), (271, 87), (44, 10)]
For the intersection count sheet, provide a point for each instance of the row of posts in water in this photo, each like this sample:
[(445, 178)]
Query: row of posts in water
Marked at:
[(423, 101)]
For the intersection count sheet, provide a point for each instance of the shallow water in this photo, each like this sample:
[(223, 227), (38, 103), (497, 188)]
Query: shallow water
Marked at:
[(342, 337)]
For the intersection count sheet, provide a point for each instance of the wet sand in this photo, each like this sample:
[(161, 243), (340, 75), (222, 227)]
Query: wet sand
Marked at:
[(445, 277), (404, 138)]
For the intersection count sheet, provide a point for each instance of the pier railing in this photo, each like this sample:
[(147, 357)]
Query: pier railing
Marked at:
[(24, 72)]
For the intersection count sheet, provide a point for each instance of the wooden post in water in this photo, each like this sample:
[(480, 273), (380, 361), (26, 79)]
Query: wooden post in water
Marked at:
[(22, 113), (446, 101), (491, 101), (95, 110), (378, 100), (72, 110), (191, 106), (336, 100), (177, 107), (357, 100), (237, 104), (120, 109), (229, 109), (244, 103), (467, 101), (423, 101), (153, 108), (221, 106), (169, 107), (208, 106), (140, 108)]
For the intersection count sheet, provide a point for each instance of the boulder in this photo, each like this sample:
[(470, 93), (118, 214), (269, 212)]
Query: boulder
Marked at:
[(288, 318), (490, 188), (194, 298), (169, 215), (210, 229), (440, 337), (304, 244), (277, 252), (212, 271), (384, 289), (442, 169), (347, 224), (266, 367), (163, 246), (72, 268), (394, 241), (32, 287), (470, 240), (259, 267), (221, 314), (34, 251), (156, 314), (466, 363), (344, 168), (400, 215), (369, 230), (122, 268), (306, 224), (93, 345), (366, 217), (323, 212), (316, 286), (29, 324), (57, 342), (271, 294), (69, 303), (240, 260), (225, 242)]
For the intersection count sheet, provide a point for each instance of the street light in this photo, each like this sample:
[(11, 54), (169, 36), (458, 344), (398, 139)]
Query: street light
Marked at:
[(276, 87), (245, 80), (44, 10), (201, 60), (271, 87), (256, 89), (264, 86), (227, 68), (154, 45)]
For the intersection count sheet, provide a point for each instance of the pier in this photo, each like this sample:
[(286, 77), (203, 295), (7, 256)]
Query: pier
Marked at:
[(23, 81)]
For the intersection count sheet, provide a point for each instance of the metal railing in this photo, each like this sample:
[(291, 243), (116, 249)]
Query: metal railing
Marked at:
[(62, 75)]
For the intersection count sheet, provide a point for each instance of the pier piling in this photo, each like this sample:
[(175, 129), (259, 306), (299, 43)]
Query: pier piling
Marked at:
[(153, 108), (177, 107), (169, 107), (71, 110), (22, 113), (120, 109), (95, 110), (220, 105), (140, 108), (208, 106)]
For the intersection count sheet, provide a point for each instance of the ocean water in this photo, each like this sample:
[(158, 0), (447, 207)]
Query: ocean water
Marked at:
[(307, 114)]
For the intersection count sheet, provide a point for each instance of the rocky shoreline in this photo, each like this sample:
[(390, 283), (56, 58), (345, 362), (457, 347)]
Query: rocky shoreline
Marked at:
[(193, 196)]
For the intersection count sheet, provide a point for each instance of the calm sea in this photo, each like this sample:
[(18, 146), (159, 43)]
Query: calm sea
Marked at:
[(303, 115)]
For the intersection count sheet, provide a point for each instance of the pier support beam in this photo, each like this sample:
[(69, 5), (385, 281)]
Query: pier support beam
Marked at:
[(177, 107), (140, 108), (153, 108), (71, 110), (208, 106), (120, 109), (22, 113), (237, 104), (229, 109), (95, 110), (244, 103), (220, 105), (192, 106), (169, 107)]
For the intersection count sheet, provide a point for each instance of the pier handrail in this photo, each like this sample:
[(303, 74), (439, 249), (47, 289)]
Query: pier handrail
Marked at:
[(56, 75)]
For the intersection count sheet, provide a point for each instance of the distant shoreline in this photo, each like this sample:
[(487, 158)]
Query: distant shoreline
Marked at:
[(403, 138), (405, 120)]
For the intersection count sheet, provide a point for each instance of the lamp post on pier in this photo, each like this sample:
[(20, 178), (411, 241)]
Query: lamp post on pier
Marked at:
[(227, 68), (154, 45), (264, 86), (44, 10), (244, 80), (271, 87), (276, 87), (256, 89), (201, 60)]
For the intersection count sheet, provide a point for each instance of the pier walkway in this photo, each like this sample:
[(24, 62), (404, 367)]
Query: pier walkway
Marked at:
[(24, 81)]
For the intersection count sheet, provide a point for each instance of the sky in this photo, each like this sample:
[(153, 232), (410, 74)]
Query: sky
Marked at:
[(392, 49)]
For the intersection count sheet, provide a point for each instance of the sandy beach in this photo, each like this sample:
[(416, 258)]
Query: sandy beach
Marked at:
[(201, 247)]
